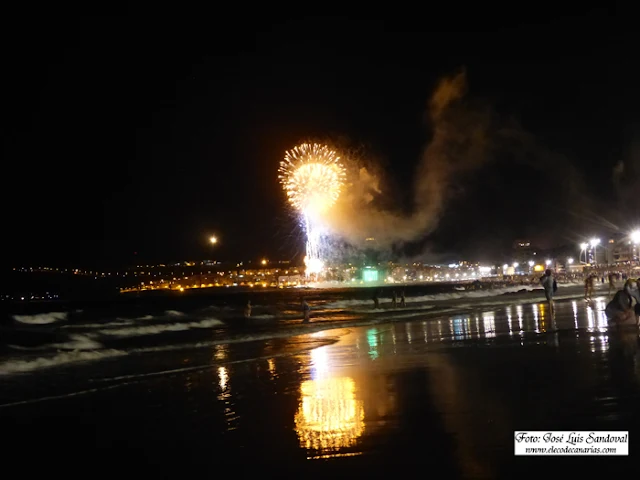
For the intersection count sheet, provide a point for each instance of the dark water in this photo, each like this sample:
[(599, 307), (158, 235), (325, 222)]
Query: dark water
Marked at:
[(168, 318), (437, 396), (88, 306)]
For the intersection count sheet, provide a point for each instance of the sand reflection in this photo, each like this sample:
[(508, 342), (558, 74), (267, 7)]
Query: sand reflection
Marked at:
[(329, 417)]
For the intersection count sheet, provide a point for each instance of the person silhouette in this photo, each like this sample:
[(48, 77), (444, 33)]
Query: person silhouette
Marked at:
[(306, 310)]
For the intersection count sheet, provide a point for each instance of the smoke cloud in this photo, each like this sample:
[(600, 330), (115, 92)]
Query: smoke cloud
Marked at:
[(461, 142), (500, 180)]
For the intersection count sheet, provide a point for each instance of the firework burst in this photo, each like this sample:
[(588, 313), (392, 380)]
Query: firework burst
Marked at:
[(312, 177)]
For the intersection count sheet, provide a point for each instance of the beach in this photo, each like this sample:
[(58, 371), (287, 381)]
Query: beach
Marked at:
[(445, 387)]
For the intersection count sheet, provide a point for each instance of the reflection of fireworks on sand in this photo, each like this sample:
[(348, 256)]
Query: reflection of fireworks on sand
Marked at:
[(329, 417), (312, 176)]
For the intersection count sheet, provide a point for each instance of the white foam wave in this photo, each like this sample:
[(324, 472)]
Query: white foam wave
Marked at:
[(41, 318), (438, 296), (137, 331), (75, 342), (63, 358), (118, 323), (167, 313), (79, 342)]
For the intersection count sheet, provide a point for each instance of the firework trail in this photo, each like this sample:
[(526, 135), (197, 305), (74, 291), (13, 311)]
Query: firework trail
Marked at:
[(312, 177)]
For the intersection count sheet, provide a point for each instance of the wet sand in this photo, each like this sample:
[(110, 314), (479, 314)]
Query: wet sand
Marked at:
[(438, 398)]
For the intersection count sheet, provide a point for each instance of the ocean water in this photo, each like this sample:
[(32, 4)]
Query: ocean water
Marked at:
[(33, 341)]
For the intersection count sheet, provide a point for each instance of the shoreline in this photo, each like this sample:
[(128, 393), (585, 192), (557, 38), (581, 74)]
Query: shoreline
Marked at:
[(365, 316), (264, 333), (447, 308)]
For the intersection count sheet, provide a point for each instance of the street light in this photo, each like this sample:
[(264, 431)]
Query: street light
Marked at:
[(213, 240), (547, 263), (569, 261), (531, 263), (515, 264)]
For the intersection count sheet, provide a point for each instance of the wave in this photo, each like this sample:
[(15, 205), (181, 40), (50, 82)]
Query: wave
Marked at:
[(166, 314), (60, 359), (136, 331), (440, 296), (41, 318), (74, 342), (123, 322), (494, 302), (78, 342), (117, 323)]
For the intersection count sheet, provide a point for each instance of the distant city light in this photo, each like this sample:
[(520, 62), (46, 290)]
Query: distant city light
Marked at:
[(635, 237), (213, 240), (584, 246), (531, 263), (547, 263), (505, 266), (264, 262), (569, 261)]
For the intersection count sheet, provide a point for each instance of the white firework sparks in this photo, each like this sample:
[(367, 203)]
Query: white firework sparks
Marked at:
[(313, 177)]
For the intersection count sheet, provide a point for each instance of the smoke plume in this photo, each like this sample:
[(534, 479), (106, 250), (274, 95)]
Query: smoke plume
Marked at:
[(461, 142)]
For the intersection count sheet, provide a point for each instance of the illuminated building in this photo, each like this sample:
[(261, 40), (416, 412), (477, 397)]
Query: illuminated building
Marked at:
[(370, 274), (522, 251), (620, 249)]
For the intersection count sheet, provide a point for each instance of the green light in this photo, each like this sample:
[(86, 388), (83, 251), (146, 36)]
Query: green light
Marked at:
[(372, 340), (370, 275)]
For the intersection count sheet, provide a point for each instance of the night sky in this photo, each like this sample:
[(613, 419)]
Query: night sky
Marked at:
[(131, 134)]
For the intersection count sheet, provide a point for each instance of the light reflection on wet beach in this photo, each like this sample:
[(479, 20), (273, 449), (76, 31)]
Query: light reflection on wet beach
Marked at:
[(330, 417), (448, 390), (339, 411)]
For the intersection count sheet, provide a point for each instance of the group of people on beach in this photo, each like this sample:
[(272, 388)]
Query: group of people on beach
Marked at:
[(624, 307), (394, 299)]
